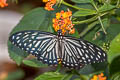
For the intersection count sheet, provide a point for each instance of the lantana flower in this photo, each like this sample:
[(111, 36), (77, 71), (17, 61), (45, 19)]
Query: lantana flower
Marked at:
[(63, 22), (99, 77), (3, 3), (49, 4)]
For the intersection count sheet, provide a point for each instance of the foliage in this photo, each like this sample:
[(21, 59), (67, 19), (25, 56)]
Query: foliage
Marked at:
[(97, 23), (16, 75)]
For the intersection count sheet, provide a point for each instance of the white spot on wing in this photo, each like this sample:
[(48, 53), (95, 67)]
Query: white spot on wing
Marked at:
[(13, 37), (35, 33), (104, 54), (25, 44), (20, 44), (38, 43), (18, 41), (91, 48), (79, 52), (17, 37), (96, 58), (83, 58), (27, 48), (51, 47), (30, 45), (33, 49), (25, 36), (19, 33), (86, 56), (91, 56), (99, 53), (82, 42)]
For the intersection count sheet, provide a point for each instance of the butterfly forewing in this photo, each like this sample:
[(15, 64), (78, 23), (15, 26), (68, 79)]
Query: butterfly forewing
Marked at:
[(41, 44)]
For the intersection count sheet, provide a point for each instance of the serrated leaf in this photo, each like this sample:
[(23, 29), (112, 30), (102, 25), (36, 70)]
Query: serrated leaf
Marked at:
[(84, 13), (114, 50), (81, 1), (50, 76), (34, 63), (16, 54), (106, 7)]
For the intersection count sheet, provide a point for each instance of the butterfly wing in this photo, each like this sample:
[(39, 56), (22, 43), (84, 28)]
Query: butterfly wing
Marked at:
[(41, 44), (77, 53)]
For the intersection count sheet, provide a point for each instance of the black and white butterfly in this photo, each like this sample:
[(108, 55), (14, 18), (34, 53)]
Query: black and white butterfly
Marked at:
[(58, 49)]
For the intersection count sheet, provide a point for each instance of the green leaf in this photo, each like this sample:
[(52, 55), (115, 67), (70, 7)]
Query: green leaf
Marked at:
[(114, 67), (92, 28), (85, 6), (91, 68), (77, 79), (67, 77), (76, 34), (114, 50), (36, 19), (106, 7), (84, 13), (34, 63), (81, 1), (116, 76), (112, 32), (50, 76), (31, 21), (88, 69), (16, 75), (16, 54)]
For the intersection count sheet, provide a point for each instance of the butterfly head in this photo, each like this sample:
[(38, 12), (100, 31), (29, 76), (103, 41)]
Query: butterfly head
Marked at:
[(59, 32)]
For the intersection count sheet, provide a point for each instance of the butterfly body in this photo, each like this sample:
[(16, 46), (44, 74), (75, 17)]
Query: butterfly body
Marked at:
[(58, 49)]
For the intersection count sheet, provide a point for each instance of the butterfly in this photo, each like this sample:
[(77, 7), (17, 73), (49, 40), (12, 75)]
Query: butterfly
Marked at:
[(58, 49)]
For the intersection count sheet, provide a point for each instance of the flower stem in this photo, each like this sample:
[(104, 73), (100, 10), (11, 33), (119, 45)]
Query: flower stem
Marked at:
[(85, 21), (99, 18), (87, 29), (58, 68), (75, 7), (89, 26), (118, 2)]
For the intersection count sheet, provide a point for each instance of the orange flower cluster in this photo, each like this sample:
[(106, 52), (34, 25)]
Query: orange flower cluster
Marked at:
[(49, 4), (63, 22), (3, 3), (99, 77)]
